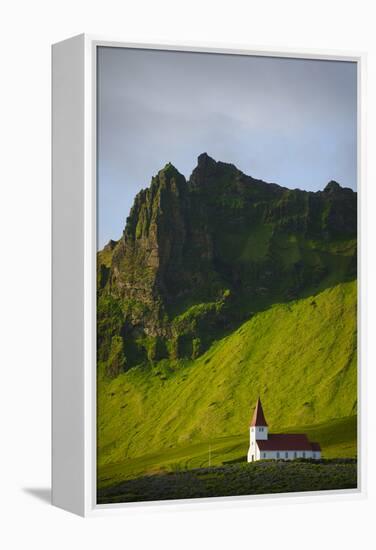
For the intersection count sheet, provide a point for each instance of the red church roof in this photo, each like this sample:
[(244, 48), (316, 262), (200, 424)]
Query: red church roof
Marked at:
[(258, 418), (287, 442)]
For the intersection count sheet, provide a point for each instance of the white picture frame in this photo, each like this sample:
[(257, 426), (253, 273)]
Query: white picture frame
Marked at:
[(74, 275)]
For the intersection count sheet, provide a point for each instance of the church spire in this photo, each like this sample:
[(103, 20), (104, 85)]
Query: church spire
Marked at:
[(258, 418)]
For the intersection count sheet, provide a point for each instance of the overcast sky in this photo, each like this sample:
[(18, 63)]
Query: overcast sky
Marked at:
[(288, 121)]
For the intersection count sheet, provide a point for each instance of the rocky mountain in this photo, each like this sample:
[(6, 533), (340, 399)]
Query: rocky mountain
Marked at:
[(198, 257)]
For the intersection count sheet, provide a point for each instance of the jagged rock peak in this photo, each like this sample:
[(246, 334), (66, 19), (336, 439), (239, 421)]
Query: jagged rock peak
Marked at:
[(208, 164), (169, 167), (204, 160), (168, 171), (332, 186), (207, 169), (168, 177)]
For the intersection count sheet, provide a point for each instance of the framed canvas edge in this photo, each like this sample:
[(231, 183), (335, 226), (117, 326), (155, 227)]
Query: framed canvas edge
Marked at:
[(91, 508), (68, 380)]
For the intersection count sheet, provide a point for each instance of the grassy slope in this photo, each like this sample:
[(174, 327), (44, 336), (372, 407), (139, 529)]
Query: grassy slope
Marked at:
[(337, 439), (300, 357)]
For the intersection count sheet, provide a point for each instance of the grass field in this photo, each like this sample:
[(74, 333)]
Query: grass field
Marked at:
[(300, 357), (337, 439), (264, 477)]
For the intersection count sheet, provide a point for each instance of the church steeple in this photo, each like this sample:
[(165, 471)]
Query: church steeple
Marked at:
[(258, 431), (258, 418)]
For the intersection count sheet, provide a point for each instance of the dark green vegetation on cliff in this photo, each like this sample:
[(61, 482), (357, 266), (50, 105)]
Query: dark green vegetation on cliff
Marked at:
[(222, 288)]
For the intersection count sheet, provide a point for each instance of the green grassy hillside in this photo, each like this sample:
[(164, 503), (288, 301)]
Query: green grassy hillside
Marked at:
[(300, 357)]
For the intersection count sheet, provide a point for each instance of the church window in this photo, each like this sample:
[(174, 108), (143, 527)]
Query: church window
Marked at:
[(286, 455), (277, 455), (264, 455), (303, 454)]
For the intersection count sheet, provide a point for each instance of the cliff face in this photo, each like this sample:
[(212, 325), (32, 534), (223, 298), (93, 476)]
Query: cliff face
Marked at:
[(197, 257)]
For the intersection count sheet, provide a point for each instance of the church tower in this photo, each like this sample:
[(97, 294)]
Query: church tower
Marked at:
[(258, 429)]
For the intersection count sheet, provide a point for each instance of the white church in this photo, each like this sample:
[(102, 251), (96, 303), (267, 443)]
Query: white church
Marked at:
[(263, 445)]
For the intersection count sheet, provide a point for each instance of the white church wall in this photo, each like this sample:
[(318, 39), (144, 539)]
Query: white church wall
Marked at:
[(256, 433), (288, 455), (252, 446), (255, 453), (280, 455)]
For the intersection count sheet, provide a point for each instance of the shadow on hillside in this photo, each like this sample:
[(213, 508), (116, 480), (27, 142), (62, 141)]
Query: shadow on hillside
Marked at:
[(243, 307)]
